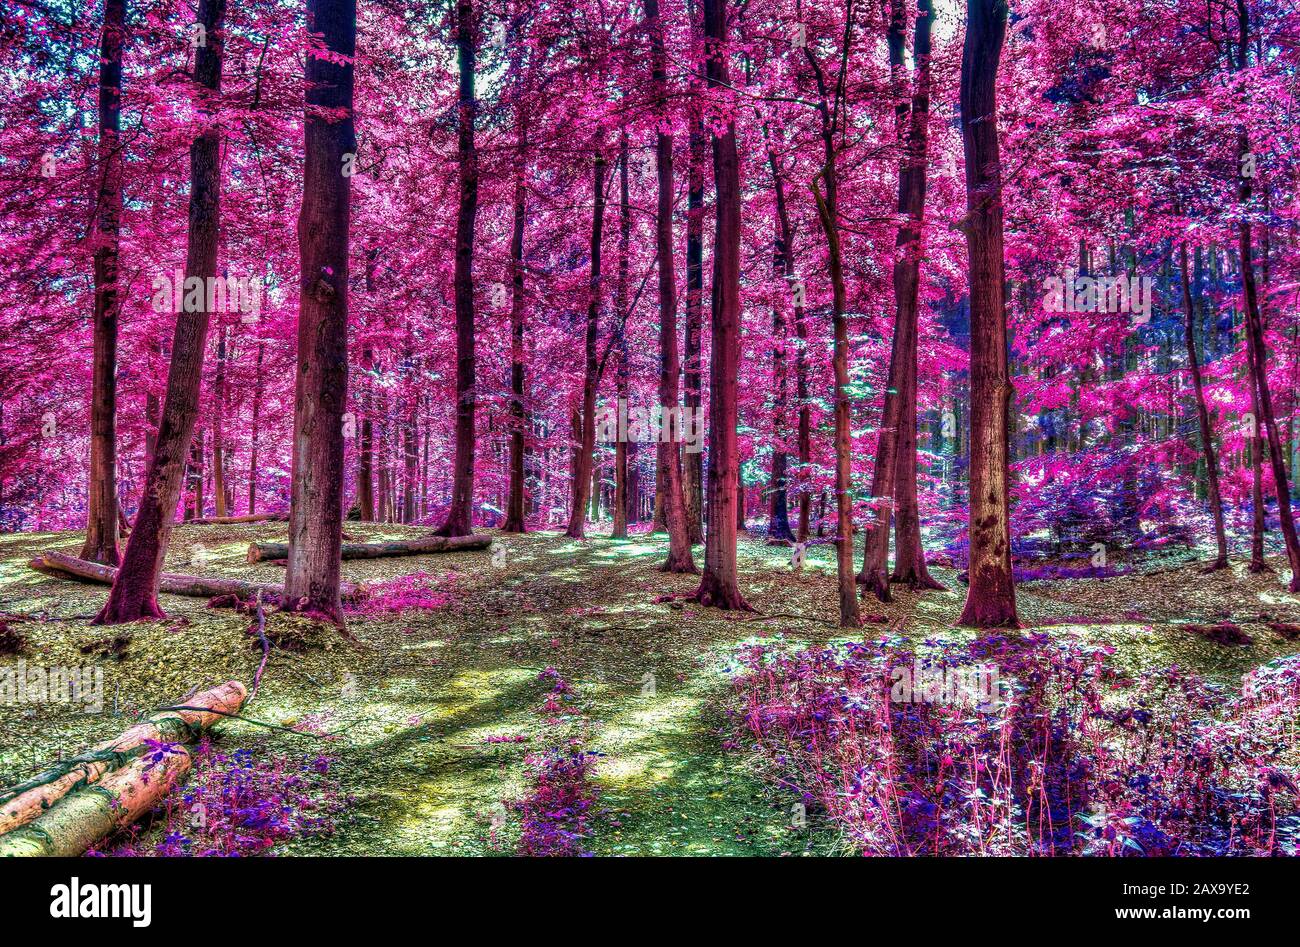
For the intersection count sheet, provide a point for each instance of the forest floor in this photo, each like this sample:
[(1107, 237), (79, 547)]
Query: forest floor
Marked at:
[(431, 713)]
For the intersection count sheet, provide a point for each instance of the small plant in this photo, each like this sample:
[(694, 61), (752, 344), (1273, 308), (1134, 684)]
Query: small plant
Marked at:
[(417, 592), (1074, 759), (556, 811), (235, 805)]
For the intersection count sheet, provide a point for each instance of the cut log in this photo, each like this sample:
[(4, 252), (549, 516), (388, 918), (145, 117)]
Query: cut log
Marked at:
[(247, 518), (61, 565), (266, 552), (31, 800), (82, 819)]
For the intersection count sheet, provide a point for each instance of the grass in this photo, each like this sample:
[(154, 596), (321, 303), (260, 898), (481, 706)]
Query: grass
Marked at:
[(411, 707)]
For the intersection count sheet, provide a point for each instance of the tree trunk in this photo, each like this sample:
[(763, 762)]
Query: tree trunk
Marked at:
[(267, 552), (584, 458), (515, 515), (619, 507), (668, 454), (828, 215), (218, 422), (909, 555), (693, 463), (1203, 415), (28, 800), (80, 817), (60, 565), (1259, 369), (720, 583), (255, 434), (778, 529), (101, 498), (135, 592), (311, 581), (460, 518), (991, 598)]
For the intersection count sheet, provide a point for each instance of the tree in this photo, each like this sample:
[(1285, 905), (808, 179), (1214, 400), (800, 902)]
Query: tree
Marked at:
[(101, 512), (460, 518), (135, 590), (311, 581), (680, 558), (585, 413), (829, 107), (515, 519), (719, 584), (1203, 415), (991, 599)]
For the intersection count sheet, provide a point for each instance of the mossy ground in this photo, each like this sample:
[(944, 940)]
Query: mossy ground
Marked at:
[(411, 705)]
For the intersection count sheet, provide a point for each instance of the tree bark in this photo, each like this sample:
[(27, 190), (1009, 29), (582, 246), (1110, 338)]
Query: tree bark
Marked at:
[(584, 457), (828, 215), (909, 555), (27, 801), (311, 582), (680, 557), (693, 463), (267, 552), (101, 497), (1203, 415), (1259, 369), (778, 530), (460, 518), (515, 514), (60, 565), (135, 592), (719, 585), (254, 435), (618, 508), (991, 598), (218, 422)]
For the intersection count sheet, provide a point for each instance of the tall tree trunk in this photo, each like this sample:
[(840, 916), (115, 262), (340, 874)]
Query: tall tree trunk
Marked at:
[(991, 599), (254, 435), (311, 581), (410, 449), (515, 516), (135, 589), (720, 583), (460, 518), (101, 499), (874, 575), (584, 459), (668, 457), (693, 463), (365, 432), (828, 214), (1203, 415), (218, 422), (778, 530), (1259, 371), (909, 555), (619, 506), (366, 450)]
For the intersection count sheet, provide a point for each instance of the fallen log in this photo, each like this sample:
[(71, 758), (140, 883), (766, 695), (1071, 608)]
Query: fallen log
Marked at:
[(247, 518), (267, 552), (61, 565), (27, 801), (80, 820)]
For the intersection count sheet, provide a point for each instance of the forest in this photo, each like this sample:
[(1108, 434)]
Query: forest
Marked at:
[(649, 428)]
